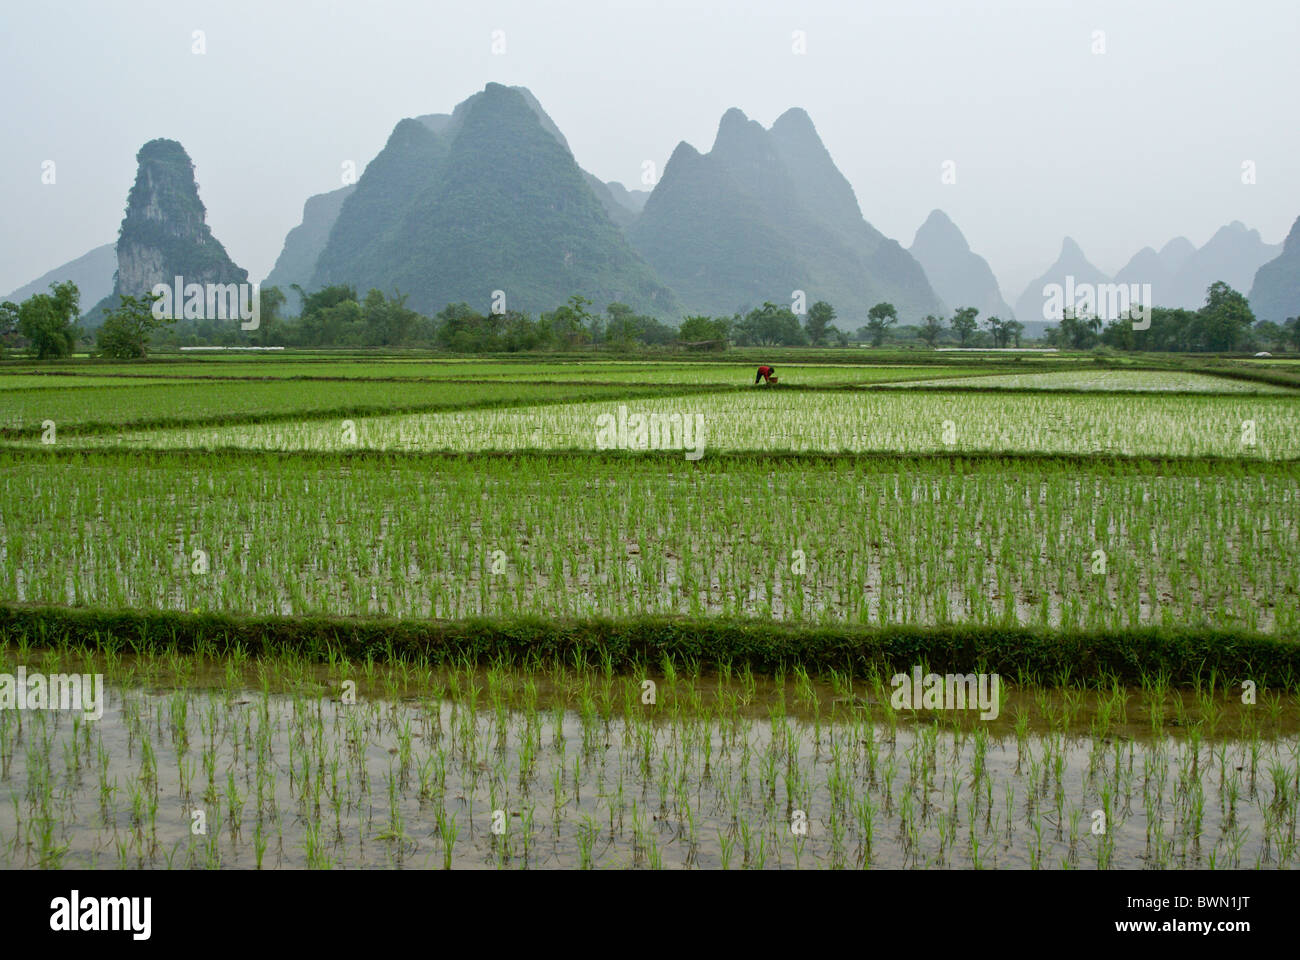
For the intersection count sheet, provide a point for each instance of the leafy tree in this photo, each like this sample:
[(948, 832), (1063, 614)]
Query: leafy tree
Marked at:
[(698, 329), (342, 324), (570, 324), (1081, 332), (931, 329), (1225, 318), (771, 325), (331, 315), (1014, 329), (820, 316), (47, 320), (325, 297), (618, 310), (520, 332), (1003, 330), (626, 328), (389, 321), (963, 323), (463, 329), (1224, 323), (126, 330), (623, 330), (656, 333), (1292, 328), (1171, 330), (8, 322), (1119, 334), (879, 319), (1272, 335)]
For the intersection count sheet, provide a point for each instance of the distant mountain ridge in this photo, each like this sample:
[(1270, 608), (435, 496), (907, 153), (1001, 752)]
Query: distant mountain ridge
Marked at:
[(1179, 273), (488, 198), (633, 200), (763, 214), (961, 277), (766, 213), (92, 273), (304, 243), (1159, 269), (1071, 270), (1232, 255), (1275, 290)]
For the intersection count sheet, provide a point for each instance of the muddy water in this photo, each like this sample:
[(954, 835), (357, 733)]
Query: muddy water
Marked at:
[(467, 776)]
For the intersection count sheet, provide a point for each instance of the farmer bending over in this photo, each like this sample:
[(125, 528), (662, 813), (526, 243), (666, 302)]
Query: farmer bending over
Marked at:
[(765, 373)]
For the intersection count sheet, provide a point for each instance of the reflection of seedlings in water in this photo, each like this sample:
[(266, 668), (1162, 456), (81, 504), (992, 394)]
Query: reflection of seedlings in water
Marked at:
[(728, 770)]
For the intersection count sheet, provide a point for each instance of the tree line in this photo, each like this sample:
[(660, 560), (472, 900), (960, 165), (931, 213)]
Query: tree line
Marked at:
[(1224, 324), (335, 316)]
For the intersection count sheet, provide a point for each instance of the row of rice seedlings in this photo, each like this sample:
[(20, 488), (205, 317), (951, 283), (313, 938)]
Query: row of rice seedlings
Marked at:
[(1147, 381), (1106, 549), (540, 765), (893, 421), (62, 376), (97, 408)]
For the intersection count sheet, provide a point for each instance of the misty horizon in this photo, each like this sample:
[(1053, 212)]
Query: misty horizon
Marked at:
[(1151, 86)]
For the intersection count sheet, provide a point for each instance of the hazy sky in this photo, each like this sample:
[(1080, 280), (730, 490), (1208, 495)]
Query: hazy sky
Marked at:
[(1119, 149)]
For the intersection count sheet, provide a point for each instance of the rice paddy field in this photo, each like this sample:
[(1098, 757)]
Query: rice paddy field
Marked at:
[(892, 422), (873, 542), (468, 766), (524, 371), (127, 403), (334, 602)]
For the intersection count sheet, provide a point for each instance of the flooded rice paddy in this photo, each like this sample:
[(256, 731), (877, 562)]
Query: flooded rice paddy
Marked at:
[(240, 763)]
